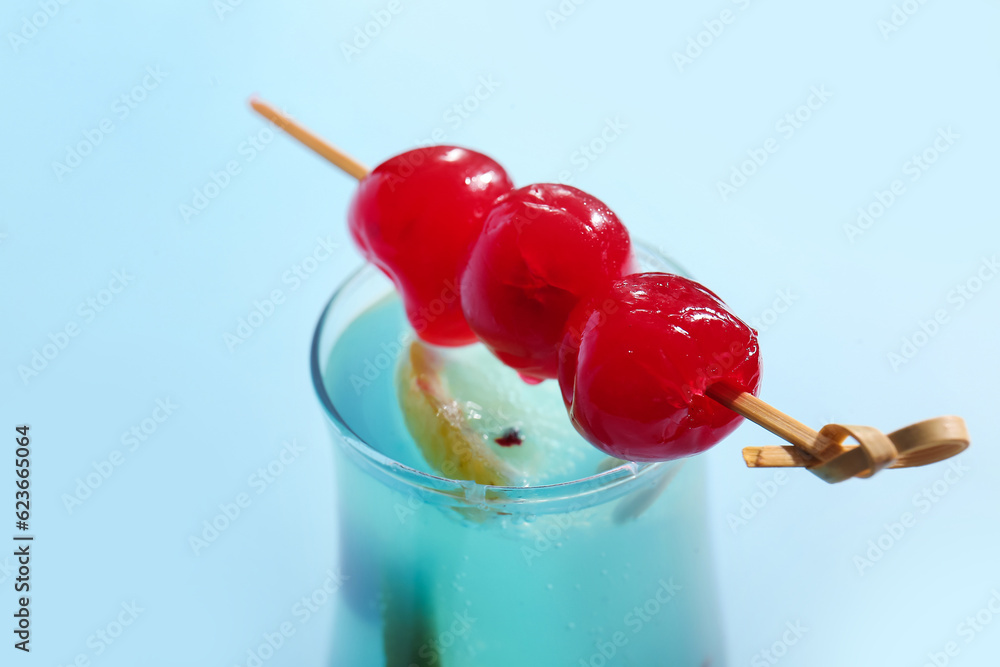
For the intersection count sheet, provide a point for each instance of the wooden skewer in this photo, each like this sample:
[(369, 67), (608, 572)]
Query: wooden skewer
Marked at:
[(822, 452), (772, 419), (310, 139)]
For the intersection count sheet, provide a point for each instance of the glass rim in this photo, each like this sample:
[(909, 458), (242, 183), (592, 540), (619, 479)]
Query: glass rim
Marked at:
[(625, 473)]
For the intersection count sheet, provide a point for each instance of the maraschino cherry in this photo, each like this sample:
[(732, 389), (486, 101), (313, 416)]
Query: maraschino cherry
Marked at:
[(637, 358), (543, 248), (415, 216)]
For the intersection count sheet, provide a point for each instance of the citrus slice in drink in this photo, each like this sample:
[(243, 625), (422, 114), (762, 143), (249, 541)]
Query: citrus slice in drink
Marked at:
[(474, 419)]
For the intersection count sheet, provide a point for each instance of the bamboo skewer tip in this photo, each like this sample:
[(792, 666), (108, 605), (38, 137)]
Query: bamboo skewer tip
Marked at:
[(309, 139)]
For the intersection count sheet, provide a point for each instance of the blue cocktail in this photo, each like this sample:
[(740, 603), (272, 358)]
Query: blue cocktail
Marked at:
[(598, 563)]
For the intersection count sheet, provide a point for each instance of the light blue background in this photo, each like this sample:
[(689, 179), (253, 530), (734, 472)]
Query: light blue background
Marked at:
[(852, 303)]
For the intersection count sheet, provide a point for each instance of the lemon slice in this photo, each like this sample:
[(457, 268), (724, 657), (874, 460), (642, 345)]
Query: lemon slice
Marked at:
[(473, 418), (440, 424)]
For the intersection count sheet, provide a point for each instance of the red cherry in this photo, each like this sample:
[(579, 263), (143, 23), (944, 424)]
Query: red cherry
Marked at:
[(544, 248), (636, 360), (415, 216)]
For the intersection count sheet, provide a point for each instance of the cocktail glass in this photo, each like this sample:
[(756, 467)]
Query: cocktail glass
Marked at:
[(612, 568)]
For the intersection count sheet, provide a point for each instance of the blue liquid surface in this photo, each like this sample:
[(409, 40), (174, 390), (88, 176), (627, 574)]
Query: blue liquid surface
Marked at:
[(366, 357)]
